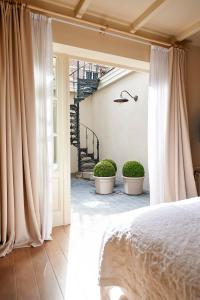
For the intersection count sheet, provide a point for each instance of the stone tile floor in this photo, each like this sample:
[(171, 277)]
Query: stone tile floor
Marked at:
[(86, 201)]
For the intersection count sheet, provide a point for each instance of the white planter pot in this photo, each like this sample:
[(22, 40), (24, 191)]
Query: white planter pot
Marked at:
[(104, 185), (133, 185)]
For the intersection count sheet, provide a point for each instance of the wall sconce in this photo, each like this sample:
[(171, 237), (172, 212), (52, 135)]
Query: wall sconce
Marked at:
[(123, 99)]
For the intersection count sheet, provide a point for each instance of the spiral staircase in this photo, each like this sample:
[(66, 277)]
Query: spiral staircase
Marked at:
[(85, 80)]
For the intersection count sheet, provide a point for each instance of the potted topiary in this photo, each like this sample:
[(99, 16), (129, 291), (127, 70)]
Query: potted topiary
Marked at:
[(104, 175), (112, 162), (114, 165), (133, 174)]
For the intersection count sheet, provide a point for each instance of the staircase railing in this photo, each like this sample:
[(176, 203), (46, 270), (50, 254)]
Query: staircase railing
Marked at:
[(87, 71), (85, 82), (91, 141)]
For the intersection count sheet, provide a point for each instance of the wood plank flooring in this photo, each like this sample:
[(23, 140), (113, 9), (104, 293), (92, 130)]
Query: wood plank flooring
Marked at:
[(36, 273)]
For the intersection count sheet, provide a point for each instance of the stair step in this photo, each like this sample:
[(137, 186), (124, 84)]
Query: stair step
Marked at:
[(85, 88), (89, 172), (85, 156), (88, 163), (74, 125), (86, 91), (88, 159), (85, 94), (73, 107), (90, 155), (74, 139), (86, 169), (88, 82)]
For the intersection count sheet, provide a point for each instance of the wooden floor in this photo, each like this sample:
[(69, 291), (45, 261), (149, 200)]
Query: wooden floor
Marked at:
[(36, 273), (67, 267)]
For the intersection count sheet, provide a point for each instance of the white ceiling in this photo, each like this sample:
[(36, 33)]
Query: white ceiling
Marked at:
[(175, 16), (126, 11), (171, 18)]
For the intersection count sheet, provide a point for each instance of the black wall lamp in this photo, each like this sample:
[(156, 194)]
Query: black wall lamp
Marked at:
[(123, 99)]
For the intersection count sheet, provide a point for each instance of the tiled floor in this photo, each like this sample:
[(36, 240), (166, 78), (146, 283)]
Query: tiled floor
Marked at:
[(86, 202)]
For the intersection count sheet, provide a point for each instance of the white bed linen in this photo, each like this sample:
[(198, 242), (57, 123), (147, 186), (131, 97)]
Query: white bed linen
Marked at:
[(156, 254)]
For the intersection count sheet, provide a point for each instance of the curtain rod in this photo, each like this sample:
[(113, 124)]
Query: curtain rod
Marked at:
[(15, 2), (59, 17), (101, 31)]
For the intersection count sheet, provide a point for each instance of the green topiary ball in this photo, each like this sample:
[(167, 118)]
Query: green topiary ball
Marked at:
[(104, 169), (112, 162), (133, 169)]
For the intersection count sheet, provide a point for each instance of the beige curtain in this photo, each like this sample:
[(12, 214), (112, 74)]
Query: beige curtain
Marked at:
[(179, 178), (43, 59), (19, 205)]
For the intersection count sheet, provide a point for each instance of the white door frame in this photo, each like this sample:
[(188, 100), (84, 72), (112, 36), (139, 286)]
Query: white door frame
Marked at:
[(61, 172), (64, 54)]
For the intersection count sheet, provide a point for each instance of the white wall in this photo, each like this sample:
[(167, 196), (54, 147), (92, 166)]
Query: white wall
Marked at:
[(121, 128)]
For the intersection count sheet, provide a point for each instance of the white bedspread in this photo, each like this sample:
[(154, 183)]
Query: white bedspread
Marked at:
[(156, 254)]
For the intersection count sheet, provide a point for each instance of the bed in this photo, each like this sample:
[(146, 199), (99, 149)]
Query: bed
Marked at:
[(155, 254)]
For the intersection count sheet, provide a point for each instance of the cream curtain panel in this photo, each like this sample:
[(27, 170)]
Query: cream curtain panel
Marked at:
[(42, 49), (19, 204), (157, 107), (170, 162), (23, 219), (179, 182)]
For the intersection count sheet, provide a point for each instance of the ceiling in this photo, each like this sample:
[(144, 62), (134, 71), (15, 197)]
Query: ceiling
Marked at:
[(165, 20)]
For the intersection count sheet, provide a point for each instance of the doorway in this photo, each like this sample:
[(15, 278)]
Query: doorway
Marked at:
[(90, 214)]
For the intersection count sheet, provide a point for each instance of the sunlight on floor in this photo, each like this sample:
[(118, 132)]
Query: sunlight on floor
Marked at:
[(84, 249), (85, 241), (93, 204), (92, 215)]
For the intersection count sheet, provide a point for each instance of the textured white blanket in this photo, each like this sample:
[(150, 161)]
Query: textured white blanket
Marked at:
[(156, 254)]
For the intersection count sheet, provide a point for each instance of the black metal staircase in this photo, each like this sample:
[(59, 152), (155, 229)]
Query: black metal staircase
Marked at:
[(85, 83)]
